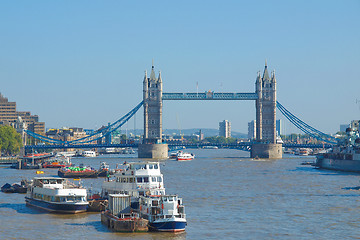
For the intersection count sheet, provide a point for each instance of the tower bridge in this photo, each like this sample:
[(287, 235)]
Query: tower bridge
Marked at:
[(153, 146), (264, 95)]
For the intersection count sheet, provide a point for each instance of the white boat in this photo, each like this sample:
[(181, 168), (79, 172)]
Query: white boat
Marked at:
[(56, 195), (165, 213), (135, 179), (89, 154), (184, 156)]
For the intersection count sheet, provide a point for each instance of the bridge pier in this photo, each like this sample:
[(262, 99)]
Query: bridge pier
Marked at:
[(154, 151), (266, 150)]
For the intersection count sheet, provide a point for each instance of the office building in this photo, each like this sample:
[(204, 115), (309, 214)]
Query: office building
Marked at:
[(225, 129)]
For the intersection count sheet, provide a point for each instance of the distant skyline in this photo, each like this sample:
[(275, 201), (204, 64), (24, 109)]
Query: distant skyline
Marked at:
[(81, 63)]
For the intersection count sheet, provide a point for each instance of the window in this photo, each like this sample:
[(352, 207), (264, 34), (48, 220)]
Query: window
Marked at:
[(159, 179), (153, 179), (139, 180), (146, 179), (151, 166), (156, 166)]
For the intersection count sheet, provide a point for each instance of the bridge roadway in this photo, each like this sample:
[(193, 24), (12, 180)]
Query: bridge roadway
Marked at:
[(241, 145)]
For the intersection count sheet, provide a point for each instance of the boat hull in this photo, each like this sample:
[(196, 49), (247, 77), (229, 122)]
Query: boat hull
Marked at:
[(167, 226), (338, 164), (74, 174), (57, 207)]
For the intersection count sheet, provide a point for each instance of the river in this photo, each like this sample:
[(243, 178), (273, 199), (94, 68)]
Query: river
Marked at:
[(227, 195)]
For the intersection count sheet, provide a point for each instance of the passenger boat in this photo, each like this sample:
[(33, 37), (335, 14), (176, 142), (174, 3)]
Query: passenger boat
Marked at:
[(78, 172), (165, 213), (89, 154), (345, 156), (183, 156), (135, 179), (56, 195)]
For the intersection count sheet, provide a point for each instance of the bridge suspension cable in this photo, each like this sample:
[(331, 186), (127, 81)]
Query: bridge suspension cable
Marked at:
[(304, 126), (96, 135)]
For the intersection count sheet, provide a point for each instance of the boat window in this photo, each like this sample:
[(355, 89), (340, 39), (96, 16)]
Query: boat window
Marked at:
[(145, 166), (146, 179), (159, 179), (170, 199), (58, 181), (165, 199), (151, 166), (155, 203), (57, 199), (139, 179), (46, 181), (153, 179), (52, 181), (123, 180), (156, 166), (131, 180)]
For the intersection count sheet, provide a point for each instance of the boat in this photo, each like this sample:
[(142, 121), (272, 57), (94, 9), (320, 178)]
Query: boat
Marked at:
[(173, 155), (184, 156), (120, 217), (210, 147), (165, 213), (15, 187), (104, 170), (57, 162), (302, 151), (135, 179), (56, 195), (89, 154), (78, 172), (345, 156)]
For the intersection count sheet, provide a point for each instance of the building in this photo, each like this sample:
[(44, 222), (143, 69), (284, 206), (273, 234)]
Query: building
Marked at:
[(279, 127), (9, 116), (355, 124), (252, 130), (66, 134), (225, 129), (343, 127)]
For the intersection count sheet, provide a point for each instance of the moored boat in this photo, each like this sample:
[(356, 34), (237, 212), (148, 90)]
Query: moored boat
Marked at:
[(56, 195), (345, 156), (135, 179), (104, 170), (120, 217), (166, 213), (57, 162), (78, 172)]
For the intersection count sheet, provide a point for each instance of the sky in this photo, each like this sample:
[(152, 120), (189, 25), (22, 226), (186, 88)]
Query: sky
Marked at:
[(81, 63)]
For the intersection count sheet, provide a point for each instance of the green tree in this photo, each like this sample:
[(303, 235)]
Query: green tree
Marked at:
[(10, 140)]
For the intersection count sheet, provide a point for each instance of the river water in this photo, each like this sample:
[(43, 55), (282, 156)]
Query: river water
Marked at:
[(227, 195)]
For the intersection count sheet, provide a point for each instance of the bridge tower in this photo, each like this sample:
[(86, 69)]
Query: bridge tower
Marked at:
[(265, 145), (152, 146)]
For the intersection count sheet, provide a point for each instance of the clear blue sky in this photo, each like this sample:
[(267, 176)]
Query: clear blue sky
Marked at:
[(82, 63)]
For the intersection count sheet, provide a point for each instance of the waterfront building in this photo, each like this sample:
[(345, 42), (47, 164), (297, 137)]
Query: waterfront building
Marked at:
[(66, 134), (225, 129), (9, 116)]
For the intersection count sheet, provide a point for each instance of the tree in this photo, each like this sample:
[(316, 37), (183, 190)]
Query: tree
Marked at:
[(10, 140)]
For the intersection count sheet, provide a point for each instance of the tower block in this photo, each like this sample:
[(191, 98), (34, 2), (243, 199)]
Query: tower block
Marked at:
[(152, 146), (265, 145)]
